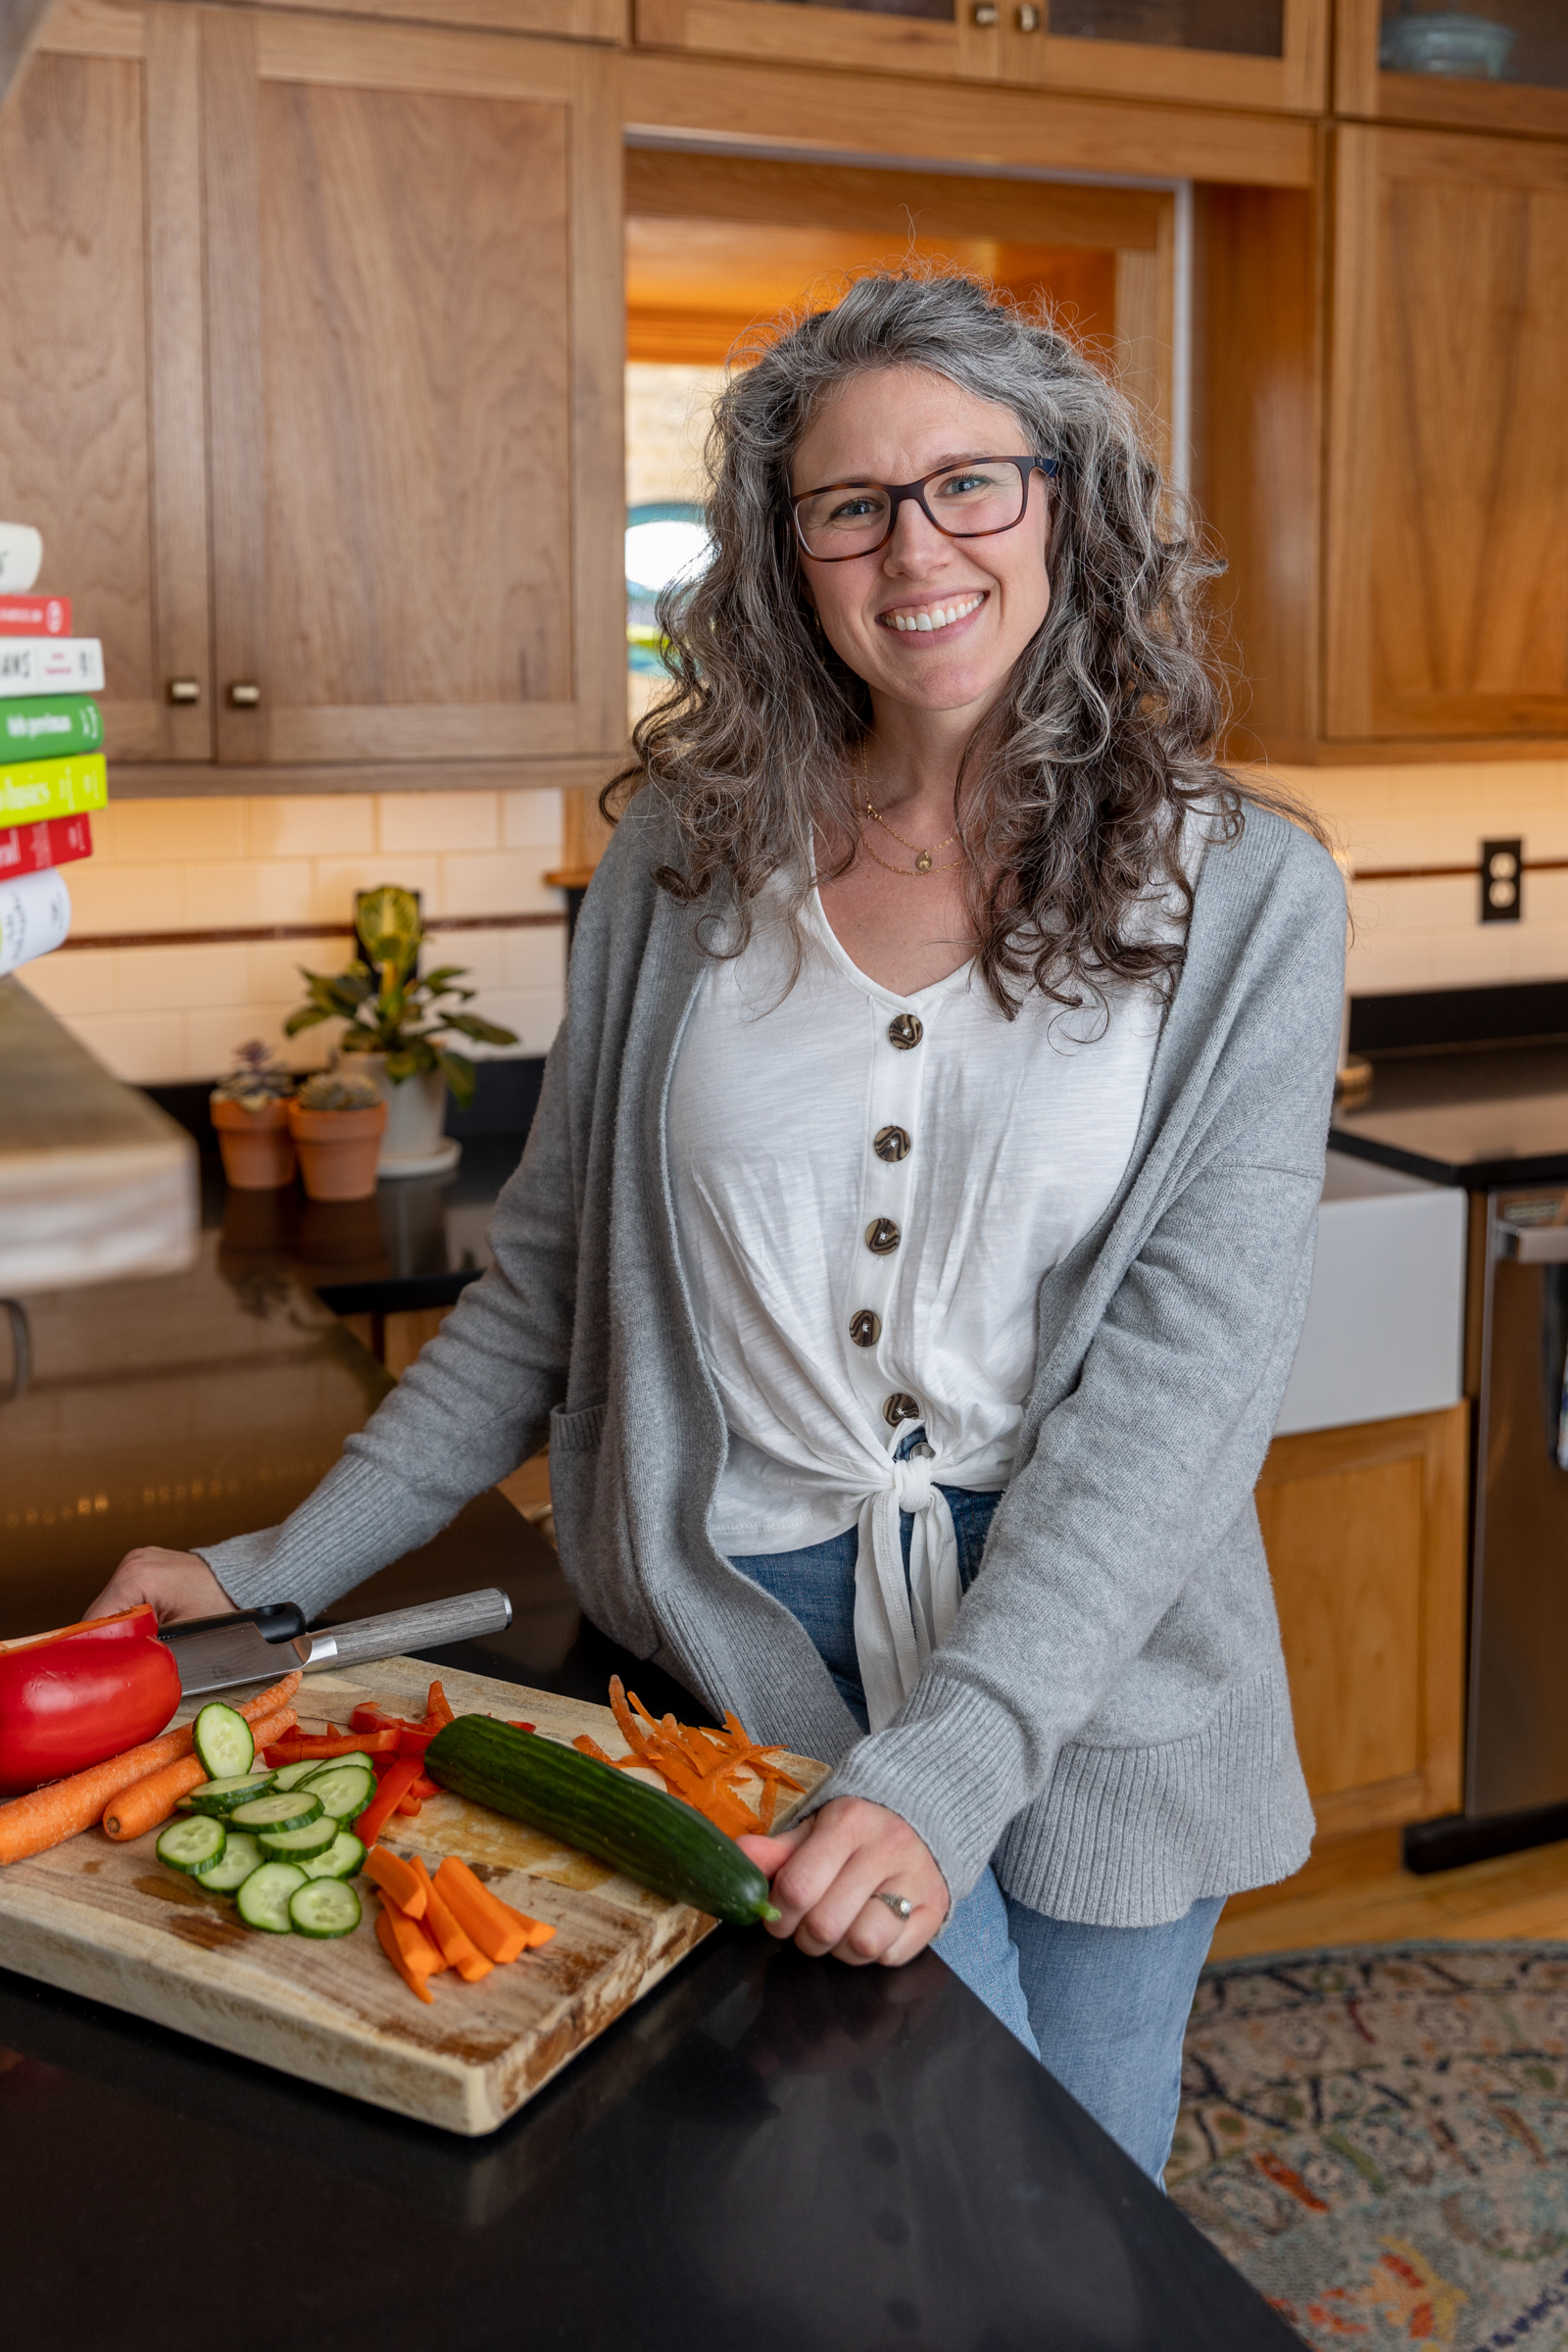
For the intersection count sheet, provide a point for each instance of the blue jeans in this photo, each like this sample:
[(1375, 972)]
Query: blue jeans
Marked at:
[(1104, 2008)]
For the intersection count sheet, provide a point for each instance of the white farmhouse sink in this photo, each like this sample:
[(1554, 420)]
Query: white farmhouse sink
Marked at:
[(1385, 1322)]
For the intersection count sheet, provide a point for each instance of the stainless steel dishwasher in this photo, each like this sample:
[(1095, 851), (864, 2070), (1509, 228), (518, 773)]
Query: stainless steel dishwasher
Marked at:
[(1517, 1744)]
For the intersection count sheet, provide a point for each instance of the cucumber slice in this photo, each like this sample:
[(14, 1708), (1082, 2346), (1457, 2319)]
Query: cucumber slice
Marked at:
[(223, 1741), (289, 1809), (325, 1907), (221, 1797), (345, 1790), (298, 1845), (289, 1776), (263, 1898), (344, 1858), (240, 1856), (195, 1846)]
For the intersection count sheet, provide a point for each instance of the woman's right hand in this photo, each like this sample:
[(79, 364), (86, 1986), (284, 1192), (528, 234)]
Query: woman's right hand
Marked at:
[(179, 1584)]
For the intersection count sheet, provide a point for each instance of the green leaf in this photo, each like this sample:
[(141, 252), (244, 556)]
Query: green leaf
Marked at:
[(457, 1071), (388, 924), (484, 1033), (306, 1017)]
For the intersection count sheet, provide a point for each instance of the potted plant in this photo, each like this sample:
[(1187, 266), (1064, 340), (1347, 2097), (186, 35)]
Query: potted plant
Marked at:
[(336, 1122), (396, 1019), (250, 1112)]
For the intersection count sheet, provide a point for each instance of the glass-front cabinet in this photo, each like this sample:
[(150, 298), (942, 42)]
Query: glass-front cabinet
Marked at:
[(1484, 65), (1254, 53)]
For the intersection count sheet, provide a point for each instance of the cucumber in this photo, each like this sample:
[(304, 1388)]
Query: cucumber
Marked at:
[(324, 1907), (221, 1797), (289, 1776), (223, 1741), (344, 1858), (653, 1837), (241, 1855), (301, 1844), (264, 1899), (195, 1846), (344, 1790), (290, 1810)]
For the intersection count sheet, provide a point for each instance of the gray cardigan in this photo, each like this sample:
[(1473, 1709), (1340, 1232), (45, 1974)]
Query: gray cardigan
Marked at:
[(1109, 1718)]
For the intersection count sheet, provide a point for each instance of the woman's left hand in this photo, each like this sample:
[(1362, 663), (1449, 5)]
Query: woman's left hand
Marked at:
[(827, 1875)]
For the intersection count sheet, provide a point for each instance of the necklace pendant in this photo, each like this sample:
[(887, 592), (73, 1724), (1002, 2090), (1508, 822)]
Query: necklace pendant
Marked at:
[(922, 864)]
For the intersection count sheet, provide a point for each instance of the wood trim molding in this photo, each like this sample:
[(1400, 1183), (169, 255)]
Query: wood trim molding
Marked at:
[(252, 934), (161, 780), (783, 105)]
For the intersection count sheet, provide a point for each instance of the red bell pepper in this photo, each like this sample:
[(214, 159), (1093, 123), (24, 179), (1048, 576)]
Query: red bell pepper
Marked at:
[(299, 1745), (70, 1698), (397, 1783)]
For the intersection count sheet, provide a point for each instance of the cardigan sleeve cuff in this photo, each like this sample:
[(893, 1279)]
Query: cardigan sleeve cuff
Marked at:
[(355, 1522), (954, 1765)]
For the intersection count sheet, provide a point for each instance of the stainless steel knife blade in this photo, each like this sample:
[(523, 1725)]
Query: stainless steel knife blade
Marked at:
[(216, 1654)]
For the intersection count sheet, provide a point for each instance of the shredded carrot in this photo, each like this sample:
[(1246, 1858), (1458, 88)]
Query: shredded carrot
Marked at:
[(703, 1768)]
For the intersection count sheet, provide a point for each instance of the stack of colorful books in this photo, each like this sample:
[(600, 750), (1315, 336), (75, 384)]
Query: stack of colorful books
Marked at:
[(52, 772)]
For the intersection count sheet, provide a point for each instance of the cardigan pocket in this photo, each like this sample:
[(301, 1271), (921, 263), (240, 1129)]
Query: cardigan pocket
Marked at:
[(593, 1534), (577, 1433)]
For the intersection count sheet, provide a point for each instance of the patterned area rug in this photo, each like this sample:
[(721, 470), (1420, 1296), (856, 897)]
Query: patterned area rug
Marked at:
[(1378, 2139)]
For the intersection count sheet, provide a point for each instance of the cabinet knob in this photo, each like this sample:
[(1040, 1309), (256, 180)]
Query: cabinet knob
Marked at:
[(184, 690), (244, 694), (985, 12), (1027, 17)]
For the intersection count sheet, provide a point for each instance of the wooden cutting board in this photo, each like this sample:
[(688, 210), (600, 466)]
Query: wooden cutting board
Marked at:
[(113, 1922)]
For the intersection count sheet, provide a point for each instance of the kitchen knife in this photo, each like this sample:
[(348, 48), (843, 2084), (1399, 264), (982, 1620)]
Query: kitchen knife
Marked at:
[(257, 1646)]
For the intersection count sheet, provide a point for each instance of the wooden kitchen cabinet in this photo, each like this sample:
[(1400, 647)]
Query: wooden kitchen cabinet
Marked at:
[(327, 317), (1446, 597), (102, 405), (1529, 93), (1249, 53), (1365, 1534)]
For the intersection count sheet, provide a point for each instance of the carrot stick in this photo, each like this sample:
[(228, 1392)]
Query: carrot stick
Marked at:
[(146, 1803), (458, 1948), (387, 1937), (398, 1880), (498, 1930), (417, 1946)]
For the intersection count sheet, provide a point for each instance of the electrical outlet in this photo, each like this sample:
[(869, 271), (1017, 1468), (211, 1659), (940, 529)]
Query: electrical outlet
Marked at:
[(1501, 881)]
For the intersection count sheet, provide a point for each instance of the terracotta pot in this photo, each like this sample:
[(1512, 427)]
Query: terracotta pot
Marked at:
[(337, 1151), (256, 1146)]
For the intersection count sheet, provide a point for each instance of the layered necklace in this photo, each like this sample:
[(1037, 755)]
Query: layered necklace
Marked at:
[(924, 859)]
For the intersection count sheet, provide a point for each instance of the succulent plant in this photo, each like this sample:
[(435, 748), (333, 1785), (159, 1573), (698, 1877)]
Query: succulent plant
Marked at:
[(256, 1081), (333, 1090), (391, 1008)]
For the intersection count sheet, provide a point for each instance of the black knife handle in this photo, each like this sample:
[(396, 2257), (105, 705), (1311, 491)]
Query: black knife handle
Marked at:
[(275, 1621)]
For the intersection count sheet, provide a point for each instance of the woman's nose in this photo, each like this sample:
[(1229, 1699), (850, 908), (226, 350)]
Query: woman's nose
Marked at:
[(916, 543)]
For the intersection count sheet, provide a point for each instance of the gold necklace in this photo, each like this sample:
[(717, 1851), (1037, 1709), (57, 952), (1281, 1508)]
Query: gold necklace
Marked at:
[(924, 858)]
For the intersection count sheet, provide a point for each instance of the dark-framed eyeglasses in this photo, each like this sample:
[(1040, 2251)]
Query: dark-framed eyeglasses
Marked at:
[(972, 501)]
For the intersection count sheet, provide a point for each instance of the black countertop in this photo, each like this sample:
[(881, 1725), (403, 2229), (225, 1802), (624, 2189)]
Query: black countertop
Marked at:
[(1483, 1117), (767, 2151)]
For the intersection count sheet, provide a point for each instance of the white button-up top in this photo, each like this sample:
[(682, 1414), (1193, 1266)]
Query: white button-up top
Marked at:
[(848, 1282)]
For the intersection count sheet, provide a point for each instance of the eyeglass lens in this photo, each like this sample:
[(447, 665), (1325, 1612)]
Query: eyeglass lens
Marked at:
[(850, 519)]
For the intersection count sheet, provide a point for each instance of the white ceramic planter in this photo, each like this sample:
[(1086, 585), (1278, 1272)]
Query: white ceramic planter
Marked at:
[(414, 1110)]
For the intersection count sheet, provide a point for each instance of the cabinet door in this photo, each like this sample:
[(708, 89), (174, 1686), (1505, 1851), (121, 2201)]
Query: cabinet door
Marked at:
[(1445, 583), (1365, 1534), (1271, 53), (101, 394), (1502, 68), (414, 353)]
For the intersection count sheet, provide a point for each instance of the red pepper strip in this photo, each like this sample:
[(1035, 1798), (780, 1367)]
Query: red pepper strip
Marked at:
[(425, 1787), (412, 1804), (395, 1782), (437, 1709), (414, 1741), (304, 1744), (521, 1727)]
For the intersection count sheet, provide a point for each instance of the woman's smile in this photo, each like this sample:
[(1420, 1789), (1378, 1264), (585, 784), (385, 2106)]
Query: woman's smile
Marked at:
[(928, 617)]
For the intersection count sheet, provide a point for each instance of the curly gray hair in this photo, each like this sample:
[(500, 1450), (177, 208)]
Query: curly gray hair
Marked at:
[(1070, 794)]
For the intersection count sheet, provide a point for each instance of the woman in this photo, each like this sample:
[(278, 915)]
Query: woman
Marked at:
[(924, 1179)]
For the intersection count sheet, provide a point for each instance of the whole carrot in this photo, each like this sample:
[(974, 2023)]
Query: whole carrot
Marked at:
[(146, 1803), (30, 1825)]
